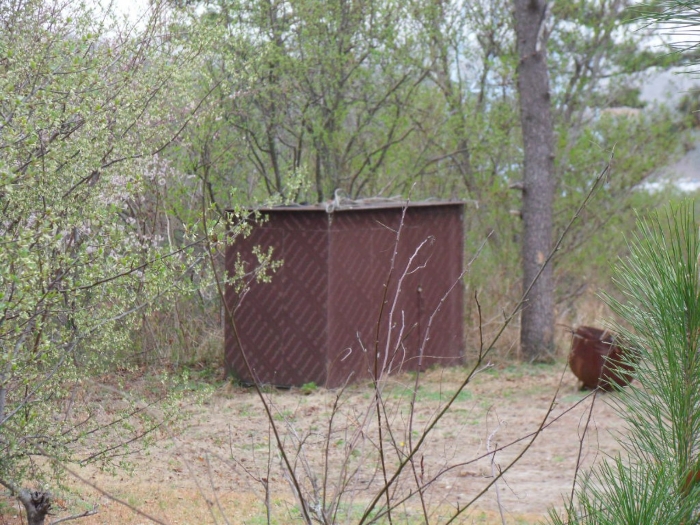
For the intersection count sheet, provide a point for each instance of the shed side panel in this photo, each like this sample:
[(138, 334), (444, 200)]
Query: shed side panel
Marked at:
[(282, 324), (428, 262), (359, 263), (443, 226)]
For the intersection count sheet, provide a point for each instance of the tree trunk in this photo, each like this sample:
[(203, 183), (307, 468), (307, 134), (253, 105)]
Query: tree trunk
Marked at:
[(37, 503), (537, 317)]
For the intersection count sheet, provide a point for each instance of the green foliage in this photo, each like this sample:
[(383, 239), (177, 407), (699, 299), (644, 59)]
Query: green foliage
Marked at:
[(80, 99), (623, 96), (301, 89), (641, 143), (671, 19), (689, 105), (661, 315), (308, 388)]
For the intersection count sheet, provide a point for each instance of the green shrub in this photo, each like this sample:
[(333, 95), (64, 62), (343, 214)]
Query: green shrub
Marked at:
[(660, 316)]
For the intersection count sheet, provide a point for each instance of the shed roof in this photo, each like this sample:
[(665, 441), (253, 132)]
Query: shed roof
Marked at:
[(345, 204)]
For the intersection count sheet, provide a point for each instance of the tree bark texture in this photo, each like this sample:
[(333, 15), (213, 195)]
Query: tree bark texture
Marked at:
[(537, 316), (37, 504)]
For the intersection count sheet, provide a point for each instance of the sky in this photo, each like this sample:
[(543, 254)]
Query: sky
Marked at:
[(131, 8)]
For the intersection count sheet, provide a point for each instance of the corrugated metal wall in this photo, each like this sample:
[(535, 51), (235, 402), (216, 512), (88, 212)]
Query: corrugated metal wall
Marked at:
[(317, 319)]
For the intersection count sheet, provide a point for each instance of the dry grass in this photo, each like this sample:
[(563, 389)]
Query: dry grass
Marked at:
[(214, 465)]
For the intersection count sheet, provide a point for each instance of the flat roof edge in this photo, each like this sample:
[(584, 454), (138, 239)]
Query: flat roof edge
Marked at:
[(334, 207)]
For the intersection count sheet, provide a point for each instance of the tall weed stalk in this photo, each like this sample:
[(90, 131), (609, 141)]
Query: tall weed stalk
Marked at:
[(652, 480)]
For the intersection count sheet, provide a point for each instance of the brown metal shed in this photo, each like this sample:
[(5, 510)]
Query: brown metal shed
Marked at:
[(317, 319)]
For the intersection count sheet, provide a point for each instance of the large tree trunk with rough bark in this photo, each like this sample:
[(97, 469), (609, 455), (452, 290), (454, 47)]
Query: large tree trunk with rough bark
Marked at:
[(537, 317)]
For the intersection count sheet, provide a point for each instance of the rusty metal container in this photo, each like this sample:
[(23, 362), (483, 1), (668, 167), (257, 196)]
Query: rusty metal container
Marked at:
[(597, 361), (336, 302)]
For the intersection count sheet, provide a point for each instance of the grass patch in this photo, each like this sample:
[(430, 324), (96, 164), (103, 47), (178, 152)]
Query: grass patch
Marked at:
[(428, 393)]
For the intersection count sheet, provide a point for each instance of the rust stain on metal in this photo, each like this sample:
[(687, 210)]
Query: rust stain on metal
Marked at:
[(317, 320)]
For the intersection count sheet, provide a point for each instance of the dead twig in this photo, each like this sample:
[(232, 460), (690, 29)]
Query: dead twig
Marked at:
[(580, 447), (76, 516), (108, 495), (493, 471)]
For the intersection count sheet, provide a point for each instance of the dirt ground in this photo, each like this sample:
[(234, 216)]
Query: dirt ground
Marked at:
[(217, 466)]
